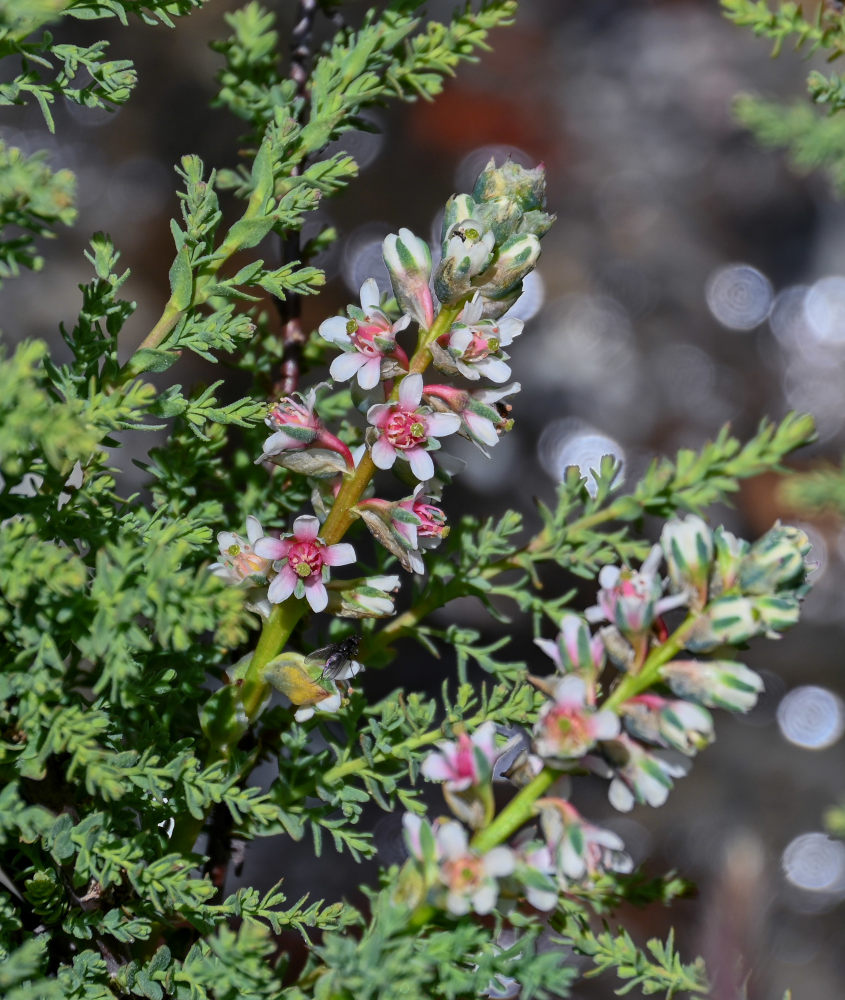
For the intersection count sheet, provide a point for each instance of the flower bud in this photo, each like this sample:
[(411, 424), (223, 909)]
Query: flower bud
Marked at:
[(408, 260), (726, 621), (576, 651), (366, 597), (466, 253), (714, 683), (459, 206), (525, 187), (678, 725), (396, 528), (729, 552), (688, 550), (776, 561), (517, 256), (776, 612)]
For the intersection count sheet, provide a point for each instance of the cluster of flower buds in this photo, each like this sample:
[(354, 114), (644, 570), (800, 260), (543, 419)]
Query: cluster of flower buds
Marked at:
[(491, 238)]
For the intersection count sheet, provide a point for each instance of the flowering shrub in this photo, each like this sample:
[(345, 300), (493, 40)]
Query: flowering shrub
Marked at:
[(141, 683)]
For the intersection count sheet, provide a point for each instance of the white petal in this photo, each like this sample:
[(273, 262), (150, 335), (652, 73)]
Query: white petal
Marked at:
[(226, 539), (482, 428), (460, 339), (606, 725), (410, 391), (334, 330), (509, 327), (369, 373), (452, 840), (495, 369), (254, 531), (441, 424), (370, 295), (342, 554), (499, 861), (282, 586), (306, 528), (316, 594), (550, 649), (620, 796), (421, 464), (304, 714), (383, 454), (484, 899), (344, 366)]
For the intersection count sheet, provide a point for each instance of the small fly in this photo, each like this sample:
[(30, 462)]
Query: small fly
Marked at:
[(338, 659)]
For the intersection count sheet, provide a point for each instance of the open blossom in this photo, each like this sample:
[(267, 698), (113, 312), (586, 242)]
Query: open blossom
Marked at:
[(632, 599), (366, 337), (535, 868), (483, 416), (575, 651), (238, 559), (641, 776), (407, 430), (304, 563), (578, 848), (431, 527), (569, 725), (473, 346), (465, 762), (296, 426), (470, 880)]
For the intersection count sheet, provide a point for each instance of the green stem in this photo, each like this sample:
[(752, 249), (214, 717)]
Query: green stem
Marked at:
[(284, 617), (516, 813), (633, 684)]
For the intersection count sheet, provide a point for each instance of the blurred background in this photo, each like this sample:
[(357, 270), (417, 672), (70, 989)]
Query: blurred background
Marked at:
[(691, 279)]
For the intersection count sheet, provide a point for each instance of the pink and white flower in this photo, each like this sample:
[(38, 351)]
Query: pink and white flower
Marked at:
[(569, 725), (366, 338), (632, 599), (641, 776), (296, 426), (407, 430), (579, 849), (465, 762), (473, 346), (483, 416), (239, 560), (303, 562), (469, 879), (575, 651)]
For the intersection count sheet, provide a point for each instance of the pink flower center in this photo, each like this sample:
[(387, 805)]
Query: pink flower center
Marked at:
[(405, 429), (305, 558), (433, 519), (286, 412), (480, 347), (570, 726), (363, 338), (464, 873), (244, 561), (463, 763)]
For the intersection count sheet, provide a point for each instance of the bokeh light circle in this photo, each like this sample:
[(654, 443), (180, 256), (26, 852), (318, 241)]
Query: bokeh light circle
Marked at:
[(811, 717), (815, 862), (739, 296)]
